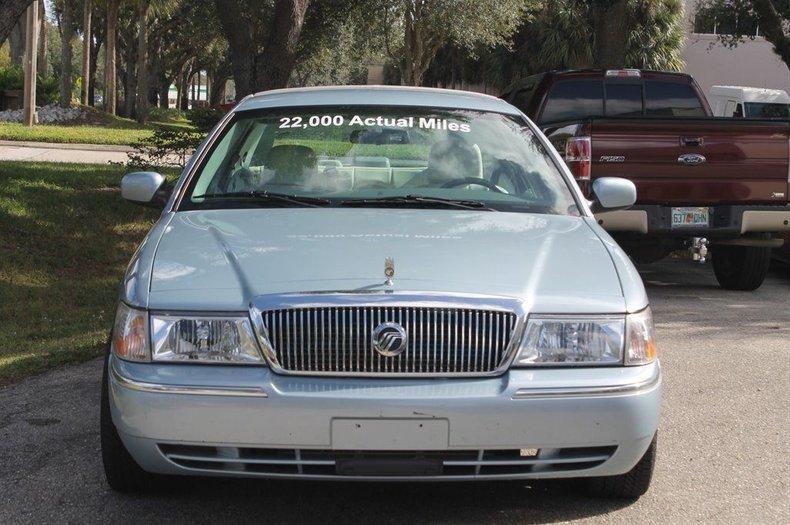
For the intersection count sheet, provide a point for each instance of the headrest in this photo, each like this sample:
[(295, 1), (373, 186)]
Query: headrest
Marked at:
[(290, 158)]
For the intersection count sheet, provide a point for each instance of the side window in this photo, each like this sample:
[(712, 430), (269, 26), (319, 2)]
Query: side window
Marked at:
[(738, 111), (573, 99), (672, 99), (623, 100)]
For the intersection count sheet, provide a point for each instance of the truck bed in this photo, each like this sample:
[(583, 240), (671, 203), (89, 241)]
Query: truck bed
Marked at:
[(694, 161)]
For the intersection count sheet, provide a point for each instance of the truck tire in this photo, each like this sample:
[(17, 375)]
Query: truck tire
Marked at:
[(630, 485), (740, 267), (122, 472)]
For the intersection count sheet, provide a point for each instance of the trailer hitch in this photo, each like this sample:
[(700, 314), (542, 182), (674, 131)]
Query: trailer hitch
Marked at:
[(699, 249)]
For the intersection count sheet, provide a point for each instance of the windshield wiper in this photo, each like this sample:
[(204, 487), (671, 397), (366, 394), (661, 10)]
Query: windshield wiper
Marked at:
[(418, 199), (268, 196)]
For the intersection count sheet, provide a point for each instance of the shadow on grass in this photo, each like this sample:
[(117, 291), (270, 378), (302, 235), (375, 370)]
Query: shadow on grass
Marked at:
[(65, 238)]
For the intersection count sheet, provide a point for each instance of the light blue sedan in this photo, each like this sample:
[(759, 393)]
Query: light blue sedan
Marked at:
[(380, 283)]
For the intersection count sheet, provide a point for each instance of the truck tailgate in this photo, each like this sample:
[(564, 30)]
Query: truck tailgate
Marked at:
[(695, 161)]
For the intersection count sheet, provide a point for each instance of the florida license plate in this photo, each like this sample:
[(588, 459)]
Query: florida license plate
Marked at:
[(690, 217)]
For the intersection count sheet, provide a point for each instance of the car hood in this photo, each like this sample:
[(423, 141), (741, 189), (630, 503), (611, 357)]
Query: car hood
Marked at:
[(221, 259)]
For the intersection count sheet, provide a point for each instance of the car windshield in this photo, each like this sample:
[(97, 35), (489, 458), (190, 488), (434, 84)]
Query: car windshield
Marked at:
[(767, 110), (379, 157)]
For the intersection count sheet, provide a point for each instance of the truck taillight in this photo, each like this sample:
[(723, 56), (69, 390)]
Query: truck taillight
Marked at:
[(578, 156)]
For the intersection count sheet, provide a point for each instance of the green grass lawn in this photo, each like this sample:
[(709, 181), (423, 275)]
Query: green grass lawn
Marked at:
[(105, 130), (65, 238), (80, 134)]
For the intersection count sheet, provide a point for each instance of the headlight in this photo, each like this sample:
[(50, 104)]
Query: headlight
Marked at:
[(587, 341), (228, 340), (130, 334)]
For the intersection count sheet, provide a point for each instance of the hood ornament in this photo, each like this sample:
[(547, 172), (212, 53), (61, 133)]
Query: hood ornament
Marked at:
[(389, 270)]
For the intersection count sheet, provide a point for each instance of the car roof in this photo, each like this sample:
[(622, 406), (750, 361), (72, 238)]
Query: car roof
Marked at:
[(375, 96), (753, 94)]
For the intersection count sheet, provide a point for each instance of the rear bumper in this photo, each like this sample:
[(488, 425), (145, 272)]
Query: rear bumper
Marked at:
[(725, 221), (190, 419)]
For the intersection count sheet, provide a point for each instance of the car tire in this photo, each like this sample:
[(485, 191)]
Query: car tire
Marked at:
[(740, 267), (122, 472), (630, 485)]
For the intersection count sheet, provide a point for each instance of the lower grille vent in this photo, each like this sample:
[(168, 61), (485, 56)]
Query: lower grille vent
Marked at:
[(268, 462)]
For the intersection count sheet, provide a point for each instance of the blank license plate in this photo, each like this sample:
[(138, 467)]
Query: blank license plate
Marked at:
[(390, 434), (690, 217)]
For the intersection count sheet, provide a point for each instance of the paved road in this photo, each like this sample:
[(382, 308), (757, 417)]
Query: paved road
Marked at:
[(724, 450), (79, 153)]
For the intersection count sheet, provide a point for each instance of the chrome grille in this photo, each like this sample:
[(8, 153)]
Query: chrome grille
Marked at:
[(338, 339)]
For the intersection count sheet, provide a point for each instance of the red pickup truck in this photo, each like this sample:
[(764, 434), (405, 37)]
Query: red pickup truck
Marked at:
[(700, 179)]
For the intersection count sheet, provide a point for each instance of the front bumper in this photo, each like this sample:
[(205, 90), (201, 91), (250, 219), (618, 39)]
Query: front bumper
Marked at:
[(726, 221), (237, 421)]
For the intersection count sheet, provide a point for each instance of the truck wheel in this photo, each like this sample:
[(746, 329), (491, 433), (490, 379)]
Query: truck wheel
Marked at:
[(630, 485), (740, 267), (121, 470)]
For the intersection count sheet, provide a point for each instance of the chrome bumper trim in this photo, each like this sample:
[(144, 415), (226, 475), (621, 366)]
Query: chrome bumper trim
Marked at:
[(158, 388), (587, 391)]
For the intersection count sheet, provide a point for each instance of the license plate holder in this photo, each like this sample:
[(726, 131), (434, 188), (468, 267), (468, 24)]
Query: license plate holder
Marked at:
[(690, 217), (390, 434)]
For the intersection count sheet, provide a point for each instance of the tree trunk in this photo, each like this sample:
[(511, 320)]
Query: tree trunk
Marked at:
[(11, 11), (110, 51), (43, 48), (141, 108), (217, 92), (16, 42), (96, 43), (183, 87), (129, 73), (421, 43), (610, 23), (164, 93), (252, 70), (771, 28), (66, 53), (192, 98), (86, 52)]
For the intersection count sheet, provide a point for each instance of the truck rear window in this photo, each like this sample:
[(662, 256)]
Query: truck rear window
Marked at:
[(672, 99), (623, 100), (574, 99)]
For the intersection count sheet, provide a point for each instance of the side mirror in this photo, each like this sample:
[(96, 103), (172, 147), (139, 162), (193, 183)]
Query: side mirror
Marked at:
[(612, 193), (145, 187)]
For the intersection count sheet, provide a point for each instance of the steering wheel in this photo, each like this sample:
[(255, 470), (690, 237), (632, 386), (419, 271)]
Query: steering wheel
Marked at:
[(506, 169), (473, 180)]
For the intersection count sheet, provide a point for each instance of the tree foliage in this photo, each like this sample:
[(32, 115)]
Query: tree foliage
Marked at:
[(415, 30), (742, 16), (560, 34)]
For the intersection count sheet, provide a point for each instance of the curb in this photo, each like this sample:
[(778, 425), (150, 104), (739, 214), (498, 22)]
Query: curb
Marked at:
[(66, 146)]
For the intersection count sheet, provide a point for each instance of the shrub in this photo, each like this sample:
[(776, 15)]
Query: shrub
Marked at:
[(204, 118), (158, 114), (167, 147), (13, 78)]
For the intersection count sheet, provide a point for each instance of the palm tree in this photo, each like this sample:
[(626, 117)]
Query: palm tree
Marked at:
[(86, 51), (145, 9), (111, 50), (141, 103), (67, 34)]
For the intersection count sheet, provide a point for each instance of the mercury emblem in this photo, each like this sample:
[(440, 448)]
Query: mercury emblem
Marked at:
[(389, 270)]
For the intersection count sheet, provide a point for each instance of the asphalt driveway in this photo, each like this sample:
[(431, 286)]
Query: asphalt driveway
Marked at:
[(724, 447)]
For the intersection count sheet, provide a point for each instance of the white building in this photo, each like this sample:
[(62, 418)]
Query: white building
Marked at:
[(752, 63)]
